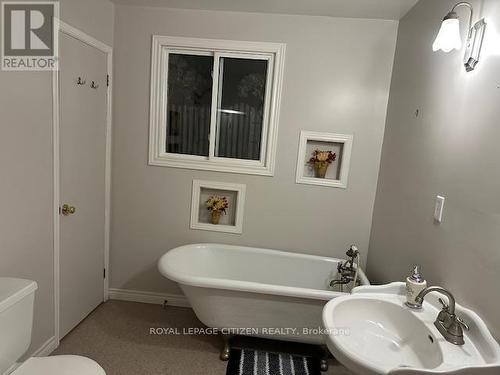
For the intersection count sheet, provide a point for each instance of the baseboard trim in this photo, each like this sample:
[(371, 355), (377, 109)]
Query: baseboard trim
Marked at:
[(47, 348), (148, 297)]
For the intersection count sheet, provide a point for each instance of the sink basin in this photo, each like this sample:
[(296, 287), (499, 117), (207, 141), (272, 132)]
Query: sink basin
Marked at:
[(372, 332), (384, 333)]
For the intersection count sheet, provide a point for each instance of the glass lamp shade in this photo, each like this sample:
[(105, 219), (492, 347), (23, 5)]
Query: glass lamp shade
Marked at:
[(448, 37)]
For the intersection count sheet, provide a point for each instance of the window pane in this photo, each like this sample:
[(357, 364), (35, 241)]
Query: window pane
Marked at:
[(240, 109), (188, 103)]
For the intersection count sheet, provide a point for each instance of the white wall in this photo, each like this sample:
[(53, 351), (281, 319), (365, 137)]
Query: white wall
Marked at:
[(451, 148), (337, 76), (26, 183)]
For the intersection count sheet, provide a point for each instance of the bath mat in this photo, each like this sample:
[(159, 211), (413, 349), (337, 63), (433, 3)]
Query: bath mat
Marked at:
[(257, 362)]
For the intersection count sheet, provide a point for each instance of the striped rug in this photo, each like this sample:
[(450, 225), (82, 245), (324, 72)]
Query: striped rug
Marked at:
[(255, 362)]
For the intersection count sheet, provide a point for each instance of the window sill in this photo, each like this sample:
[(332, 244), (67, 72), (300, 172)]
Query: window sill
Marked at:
[(219, 165)]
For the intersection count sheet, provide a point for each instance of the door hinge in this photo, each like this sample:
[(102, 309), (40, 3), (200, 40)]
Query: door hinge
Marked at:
[(104, 273), (107, 80)]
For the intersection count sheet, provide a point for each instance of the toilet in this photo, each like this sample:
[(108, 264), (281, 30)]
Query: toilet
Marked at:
[(17, 298)]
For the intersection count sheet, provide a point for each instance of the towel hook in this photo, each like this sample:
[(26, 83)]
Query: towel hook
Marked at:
[(94, 85), (81, 81)]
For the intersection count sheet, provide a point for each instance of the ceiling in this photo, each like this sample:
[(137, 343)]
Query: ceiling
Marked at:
[(381, 9)]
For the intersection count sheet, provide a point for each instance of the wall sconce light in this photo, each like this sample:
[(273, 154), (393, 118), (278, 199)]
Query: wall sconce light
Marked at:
[(449, 37)]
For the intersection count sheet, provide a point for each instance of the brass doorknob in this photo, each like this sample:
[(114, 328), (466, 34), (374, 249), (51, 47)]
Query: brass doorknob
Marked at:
[(68, 210)]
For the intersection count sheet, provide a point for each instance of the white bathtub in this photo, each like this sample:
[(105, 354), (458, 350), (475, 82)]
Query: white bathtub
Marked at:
[(257, 292)]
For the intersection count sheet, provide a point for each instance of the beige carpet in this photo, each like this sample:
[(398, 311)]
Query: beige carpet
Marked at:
[(117, 335)]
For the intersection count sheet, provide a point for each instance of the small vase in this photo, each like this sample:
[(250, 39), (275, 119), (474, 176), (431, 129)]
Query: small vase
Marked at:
[(215, 216), (320, 169)]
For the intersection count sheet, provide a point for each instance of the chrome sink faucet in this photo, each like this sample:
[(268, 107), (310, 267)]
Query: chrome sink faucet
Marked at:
[(448, 323)]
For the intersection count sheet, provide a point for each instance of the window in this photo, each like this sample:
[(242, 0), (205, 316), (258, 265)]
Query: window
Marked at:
[(214, 104)]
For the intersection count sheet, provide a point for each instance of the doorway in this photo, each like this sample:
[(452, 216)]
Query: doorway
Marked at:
[(82, 167)]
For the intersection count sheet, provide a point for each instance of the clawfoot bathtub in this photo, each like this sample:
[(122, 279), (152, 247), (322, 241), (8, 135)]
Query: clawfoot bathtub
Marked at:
[(256, 292)]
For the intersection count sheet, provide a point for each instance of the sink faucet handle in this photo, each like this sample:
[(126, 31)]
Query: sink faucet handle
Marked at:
[(462, 323)]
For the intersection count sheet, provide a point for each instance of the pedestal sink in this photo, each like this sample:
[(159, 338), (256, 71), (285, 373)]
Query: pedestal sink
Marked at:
[(372, 332)]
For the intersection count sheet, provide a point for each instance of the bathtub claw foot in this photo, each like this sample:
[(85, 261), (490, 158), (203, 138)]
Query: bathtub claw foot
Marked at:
[(323, 362), (226, 350), (323, 365), (224, 354)]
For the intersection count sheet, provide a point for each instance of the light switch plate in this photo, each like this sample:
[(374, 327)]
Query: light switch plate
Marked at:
[(438, 209)]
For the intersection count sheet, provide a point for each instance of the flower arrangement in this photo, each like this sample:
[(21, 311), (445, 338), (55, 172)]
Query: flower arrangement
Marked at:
[(322, 156), (217, 205), (320, 160)]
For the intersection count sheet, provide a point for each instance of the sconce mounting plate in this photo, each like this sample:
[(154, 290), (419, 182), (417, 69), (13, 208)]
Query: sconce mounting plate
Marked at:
[(474, 44)]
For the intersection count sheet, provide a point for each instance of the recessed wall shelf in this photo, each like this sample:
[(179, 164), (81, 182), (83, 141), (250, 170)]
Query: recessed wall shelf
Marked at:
[(337, 172), (232, 221)]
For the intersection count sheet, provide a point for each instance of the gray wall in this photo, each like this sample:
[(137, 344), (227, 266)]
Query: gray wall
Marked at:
[(337, 77), (26, 183), (451, 149), (94, 17)]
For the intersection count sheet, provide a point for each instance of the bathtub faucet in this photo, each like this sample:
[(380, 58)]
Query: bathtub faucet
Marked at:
[(346, 270), (352, 253)]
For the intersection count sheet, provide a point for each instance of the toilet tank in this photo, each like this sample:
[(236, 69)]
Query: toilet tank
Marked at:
[(16, 319)]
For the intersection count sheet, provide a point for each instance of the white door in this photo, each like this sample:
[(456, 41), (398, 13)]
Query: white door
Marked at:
[(83, 108)]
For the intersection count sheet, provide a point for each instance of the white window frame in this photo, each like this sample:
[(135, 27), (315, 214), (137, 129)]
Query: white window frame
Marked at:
[(161, 47)]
